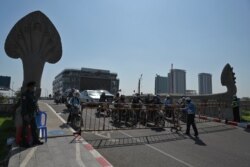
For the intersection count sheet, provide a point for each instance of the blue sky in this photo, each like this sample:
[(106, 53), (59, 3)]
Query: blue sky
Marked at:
[(131, 37)]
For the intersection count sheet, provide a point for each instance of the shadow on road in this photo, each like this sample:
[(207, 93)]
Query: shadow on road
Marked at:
[(130, 141), (150, 139), (247, 130), (198, 141)]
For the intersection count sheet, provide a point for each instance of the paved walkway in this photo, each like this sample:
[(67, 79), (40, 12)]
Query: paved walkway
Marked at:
[(63, 151)]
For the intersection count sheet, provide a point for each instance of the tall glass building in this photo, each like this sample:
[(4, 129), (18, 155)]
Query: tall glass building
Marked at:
[(161, 84), (177, 81), (205, 83)]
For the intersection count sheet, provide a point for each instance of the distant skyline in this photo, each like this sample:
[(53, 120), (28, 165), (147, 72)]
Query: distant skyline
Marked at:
[(135, 37)]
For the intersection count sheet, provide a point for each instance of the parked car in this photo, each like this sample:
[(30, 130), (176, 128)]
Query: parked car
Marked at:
[(94, 95)]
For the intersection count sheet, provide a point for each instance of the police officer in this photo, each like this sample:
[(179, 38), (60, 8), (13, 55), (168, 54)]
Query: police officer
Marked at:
[(28, 112), (190, 110), (236, 109)]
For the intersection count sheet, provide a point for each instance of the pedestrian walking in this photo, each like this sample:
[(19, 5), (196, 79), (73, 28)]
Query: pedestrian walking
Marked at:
[(190, 110)]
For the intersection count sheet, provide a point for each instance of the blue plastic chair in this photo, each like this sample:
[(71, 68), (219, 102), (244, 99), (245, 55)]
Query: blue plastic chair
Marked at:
[(41, 124)]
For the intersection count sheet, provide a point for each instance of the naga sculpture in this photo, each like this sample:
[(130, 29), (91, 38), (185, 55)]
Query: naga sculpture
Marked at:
[(35, 40)]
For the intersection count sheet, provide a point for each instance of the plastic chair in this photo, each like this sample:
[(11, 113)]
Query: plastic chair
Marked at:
[(41, 124)]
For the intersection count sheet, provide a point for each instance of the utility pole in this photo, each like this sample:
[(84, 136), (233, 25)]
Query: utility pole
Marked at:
[(12, 89), (139, 85), (172, 78)]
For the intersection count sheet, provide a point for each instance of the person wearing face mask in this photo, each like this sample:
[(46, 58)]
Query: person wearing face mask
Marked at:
[(29, 109)]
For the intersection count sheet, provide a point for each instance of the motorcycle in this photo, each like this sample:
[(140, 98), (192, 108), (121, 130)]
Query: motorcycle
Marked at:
[(103, 109), (122, 113), (153, 114), (76, 117)]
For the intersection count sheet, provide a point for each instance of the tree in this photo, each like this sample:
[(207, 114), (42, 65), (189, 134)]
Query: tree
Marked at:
[(245, 98), (2, 98)]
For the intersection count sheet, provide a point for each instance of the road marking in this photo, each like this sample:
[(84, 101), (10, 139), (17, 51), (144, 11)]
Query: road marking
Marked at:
[(28, 157), (162, 152), (78, 155), (58, 116), (102, 134)]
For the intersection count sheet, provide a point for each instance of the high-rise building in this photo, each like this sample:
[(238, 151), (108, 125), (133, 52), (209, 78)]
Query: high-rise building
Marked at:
[(205, 83), (177, 81), (191, 92), (86, 79), (161, 84)]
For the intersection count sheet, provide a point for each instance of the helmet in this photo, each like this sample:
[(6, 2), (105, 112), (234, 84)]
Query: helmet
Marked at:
[(76, 93), (188, 99), (122, 97)]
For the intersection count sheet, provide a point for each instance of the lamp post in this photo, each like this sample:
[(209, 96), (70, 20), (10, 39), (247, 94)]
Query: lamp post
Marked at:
[(139, 84), (12, 87)]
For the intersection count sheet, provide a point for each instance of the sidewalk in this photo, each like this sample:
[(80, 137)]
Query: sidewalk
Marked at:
[(63, 151)]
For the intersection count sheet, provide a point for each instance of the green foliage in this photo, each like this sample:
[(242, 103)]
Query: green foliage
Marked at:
[(7, 130), (245, 98), (3, 99), (245, 116)]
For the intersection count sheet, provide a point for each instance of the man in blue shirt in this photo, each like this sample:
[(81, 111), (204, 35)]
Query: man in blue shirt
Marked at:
[(190, 110)]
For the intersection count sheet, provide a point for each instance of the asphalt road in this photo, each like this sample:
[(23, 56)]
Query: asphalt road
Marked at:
[(218, 145)]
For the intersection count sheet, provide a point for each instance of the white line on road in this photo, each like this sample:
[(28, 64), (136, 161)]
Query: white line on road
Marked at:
[(162, 152), (102, 134), (28, 157), (78, 155)]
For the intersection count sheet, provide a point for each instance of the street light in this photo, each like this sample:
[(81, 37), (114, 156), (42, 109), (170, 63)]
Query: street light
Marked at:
[(139, 85), (12, 89)]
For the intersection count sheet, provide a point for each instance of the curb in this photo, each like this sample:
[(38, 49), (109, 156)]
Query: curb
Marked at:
[(239, 124), (99, 158)]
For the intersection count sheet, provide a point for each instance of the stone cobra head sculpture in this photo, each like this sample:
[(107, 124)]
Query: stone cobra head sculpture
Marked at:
[(228, 80), (35, 40)]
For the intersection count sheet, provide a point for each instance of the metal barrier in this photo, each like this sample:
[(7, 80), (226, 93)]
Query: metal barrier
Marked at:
[(109, 116)]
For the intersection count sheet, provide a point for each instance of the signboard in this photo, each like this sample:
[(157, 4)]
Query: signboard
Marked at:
[(4, 83)]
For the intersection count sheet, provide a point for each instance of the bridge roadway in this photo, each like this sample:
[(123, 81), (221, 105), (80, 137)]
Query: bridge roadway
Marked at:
[(218, 145)]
